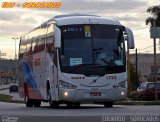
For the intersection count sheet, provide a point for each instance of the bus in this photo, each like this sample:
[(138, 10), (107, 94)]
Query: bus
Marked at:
[(73, 59)]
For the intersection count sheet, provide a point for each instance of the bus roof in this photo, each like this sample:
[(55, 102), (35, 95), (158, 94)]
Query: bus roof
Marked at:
[(69, 19)]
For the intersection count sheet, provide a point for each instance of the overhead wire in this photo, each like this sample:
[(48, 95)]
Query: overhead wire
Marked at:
[(147, 49), (140, 11)]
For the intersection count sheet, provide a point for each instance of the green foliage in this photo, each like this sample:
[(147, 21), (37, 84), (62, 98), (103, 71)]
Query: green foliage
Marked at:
[(155, 12), (134, 83), (8, 98), (5, 98), (133, 96)]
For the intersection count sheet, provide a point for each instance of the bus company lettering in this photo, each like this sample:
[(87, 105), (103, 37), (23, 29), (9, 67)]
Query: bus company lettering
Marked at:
[(77, 78), (111, 77), (37, 62)]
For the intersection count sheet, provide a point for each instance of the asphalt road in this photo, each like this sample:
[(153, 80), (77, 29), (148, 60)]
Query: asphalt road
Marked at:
[(87, 112), (12, 112)]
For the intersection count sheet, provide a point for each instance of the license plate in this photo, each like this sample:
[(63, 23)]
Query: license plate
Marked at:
[(95, 94)]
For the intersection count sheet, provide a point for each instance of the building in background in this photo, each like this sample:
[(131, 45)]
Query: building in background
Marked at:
[(7, 71), (145, 63)]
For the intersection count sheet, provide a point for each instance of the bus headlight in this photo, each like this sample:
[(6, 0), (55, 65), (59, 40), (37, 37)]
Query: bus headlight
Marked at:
[(122, 84), (66, 85)]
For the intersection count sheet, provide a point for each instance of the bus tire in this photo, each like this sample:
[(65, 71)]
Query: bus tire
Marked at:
[(108, 104), (37, 103), (49, 95), (77, 105), (28, 102), (54, 104), (69, 104)]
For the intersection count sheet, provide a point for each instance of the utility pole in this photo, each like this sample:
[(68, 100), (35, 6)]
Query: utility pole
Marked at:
[(129, 72), (15, 58), (155, 63), (15, 47), (136, 66)]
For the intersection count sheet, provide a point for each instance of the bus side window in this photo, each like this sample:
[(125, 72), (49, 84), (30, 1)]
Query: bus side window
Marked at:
[(28, 50), (33, 46), (22, 50), (41, 44), (49, 44), (50, 38), (36, 46)]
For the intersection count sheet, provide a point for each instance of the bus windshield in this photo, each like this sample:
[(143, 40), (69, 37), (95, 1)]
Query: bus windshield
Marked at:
[(92, 48)]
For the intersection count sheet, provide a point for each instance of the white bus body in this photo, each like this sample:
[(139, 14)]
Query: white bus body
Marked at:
[(74, 59)]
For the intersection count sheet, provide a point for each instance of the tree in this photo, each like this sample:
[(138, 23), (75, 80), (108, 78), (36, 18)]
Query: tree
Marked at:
[(134, 83), (155, 12)]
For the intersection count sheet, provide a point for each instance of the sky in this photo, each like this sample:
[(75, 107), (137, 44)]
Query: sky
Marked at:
[(131, 13)]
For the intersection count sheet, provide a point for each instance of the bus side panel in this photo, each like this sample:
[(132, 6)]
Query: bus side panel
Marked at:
[(27, 77), (56, 77), (50, 75), (39, 71)]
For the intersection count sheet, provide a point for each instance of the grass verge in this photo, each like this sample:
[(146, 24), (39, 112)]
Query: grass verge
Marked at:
[(8, 98)]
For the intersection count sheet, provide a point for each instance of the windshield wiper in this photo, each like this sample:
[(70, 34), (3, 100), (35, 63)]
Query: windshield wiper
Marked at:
[(78, 66), (115, 68)]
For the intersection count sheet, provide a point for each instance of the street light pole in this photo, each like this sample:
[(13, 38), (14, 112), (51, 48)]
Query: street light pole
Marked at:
[(15, 47), (136, 66), (15, 59)]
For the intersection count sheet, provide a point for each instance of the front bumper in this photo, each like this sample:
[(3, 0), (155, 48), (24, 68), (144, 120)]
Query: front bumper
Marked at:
[(79, 95)]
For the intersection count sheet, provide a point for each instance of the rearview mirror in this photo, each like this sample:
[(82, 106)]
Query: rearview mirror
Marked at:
[(57, 41), (129, 38)]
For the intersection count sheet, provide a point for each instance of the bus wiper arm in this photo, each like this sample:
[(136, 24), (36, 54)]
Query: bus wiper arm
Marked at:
[(97, 49), (113, 68)]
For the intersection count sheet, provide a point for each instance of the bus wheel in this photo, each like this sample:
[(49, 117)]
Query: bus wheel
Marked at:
[(54, 104), (37, 103), (69, 104), (77, 105), (108, 104), (49, 97), (29, 102)]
